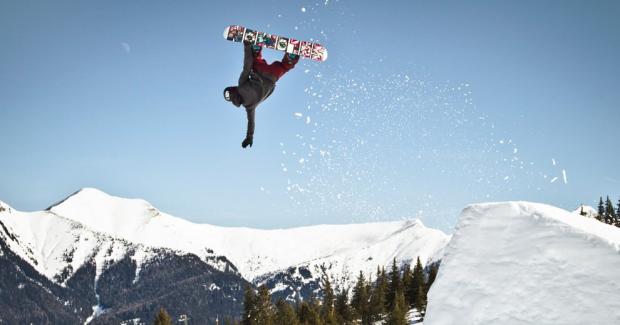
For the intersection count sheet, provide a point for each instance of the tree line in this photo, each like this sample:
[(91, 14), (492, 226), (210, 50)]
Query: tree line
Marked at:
[(388, 298), (607, 213)]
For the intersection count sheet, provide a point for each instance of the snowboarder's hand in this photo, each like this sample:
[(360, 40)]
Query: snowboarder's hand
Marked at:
[(247, 142)]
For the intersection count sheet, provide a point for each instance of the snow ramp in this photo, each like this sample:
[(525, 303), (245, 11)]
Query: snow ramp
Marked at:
[(527, 263)]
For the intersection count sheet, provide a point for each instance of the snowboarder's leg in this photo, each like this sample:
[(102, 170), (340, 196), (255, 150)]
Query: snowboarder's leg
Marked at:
[(279, 68), (248, 61), (244, 94)]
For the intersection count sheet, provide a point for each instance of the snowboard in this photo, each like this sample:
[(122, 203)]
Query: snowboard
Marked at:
[(304, 49)]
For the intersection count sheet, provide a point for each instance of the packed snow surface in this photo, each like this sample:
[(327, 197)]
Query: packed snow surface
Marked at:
[(346, 249), (527, 263)]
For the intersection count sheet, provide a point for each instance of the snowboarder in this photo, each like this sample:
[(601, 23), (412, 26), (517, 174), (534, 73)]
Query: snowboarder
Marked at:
[(256, 83)]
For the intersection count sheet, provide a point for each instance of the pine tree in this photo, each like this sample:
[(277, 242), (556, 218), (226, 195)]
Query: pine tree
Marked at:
[(582, 213), (265, 312), (419, 302), (303, 312), (285, 314), (162, 318), (315, 312), (327, 308), (610, 214), (342, 308), (417, 284), (359, 301), (618, 215), (398, 314), (308, 313), (407, 279), (432, 275), (377, 296), (601, 210), (249, 309), (394, 285)]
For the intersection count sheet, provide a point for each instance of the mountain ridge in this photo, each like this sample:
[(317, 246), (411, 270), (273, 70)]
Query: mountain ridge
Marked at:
[(261, 256)]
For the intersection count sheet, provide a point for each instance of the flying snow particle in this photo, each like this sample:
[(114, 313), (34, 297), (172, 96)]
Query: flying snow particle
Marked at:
[(307, 119), (307, 70), (303, 9), (564, 175), (515, 150), (554, 179), (297, 114), (126, 47), (553, 161), (301, 161)]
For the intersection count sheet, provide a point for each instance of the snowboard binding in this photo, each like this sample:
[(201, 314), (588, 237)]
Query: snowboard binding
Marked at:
[(257, 50), (291, 58)]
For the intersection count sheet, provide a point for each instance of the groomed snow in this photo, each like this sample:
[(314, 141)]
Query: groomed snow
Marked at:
[(527, 263)]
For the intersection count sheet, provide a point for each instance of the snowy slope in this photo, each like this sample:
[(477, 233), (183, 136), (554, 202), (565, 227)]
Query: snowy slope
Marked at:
[(56, 246), (350, 248), (588, 210), (527, 263)]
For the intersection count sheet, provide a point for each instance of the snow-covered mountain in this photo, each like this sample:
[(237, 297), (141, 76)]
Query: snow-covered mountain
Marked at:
[(255, 252), (93, 229), (56, 270), (527, 263)]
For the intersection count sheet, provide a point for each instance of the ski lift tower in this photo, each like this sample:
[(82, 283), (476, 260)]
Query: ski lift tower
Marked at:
[(184, 319)]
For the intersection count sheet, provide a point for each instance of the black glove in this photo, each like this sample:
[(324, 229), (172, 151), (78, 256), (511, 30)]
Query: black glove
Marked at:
[(247, 142)]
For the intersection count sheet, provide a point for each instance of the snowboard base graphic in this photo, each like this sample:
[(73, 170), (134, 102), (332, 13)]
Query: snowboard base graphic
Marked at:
[(309, 50)]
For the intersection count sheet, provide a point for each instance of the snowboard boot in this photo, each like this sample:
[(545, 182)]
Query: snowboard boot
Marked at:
[(257, 51), (231, 94), (291, 59)]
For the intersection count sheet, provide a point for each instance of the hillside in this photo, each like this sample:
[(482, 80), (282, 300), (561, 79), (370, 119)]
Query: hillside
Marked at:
[(527, 263)]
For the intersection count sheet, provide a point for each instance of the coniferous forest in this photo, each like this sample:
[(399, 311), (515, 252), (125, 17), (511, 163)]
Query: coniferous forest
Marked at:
[(387, 295), (606, 212), (389, 298)]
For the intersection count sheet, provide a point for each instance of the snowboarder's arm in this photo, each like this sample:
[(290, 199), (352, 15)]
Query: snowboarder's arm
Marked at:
[(250, 132), (248, 60)]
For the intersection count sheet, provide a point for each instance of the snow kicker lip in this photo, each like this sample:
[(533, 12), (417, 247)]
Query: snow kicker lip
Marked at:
[(309, 50)]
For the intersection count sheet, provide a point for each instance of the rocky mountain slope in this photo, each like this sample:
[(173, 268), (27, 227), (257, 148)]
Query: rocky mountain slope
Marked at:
[(95, 258)]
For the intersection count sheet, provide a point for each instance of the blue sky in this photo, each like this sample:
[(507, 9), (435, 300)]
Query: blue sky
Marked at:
[(421, 108)]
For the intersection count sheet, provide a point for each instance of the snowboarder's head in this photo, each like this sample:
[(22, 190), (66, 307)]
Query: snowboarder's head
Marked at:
[(231, 94)]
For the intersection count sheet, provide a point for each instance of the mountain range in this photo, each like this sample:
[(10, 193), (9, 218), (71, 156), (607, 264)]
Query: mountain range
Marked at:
[(98, 259)]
